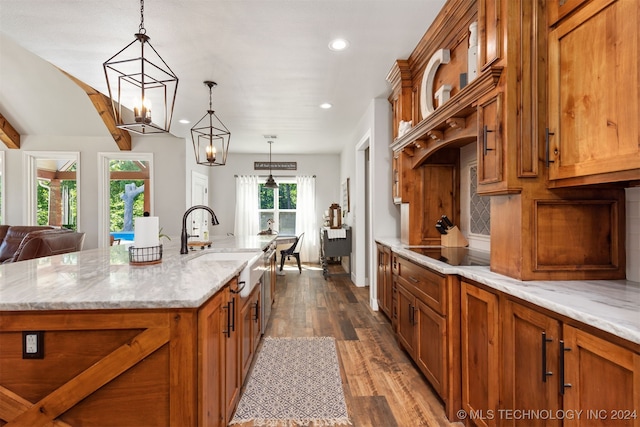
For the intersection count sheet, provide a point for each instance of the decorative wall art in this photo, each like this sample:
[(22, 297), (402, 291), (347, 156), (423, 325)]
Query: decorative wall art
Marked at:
[(346, 197)]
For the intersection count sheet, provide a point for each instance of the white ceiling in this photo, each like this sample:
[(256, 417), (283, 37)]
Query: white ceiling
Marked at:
[(270, 58)]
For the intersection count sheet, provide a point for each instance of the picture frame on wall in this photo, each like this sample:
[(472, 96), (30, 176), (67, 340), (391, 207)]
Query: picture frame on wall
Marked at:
[(346, 197)]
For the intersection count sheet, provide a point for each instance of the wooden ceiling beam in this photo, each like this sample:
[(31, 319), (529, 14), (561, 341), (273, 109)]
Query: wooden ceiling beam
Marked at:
[(102, 104), (8, 134)]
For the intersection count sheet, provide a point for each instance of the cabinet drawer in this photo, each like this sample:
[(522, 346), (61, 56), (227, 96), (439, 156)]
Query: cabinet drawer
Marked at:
[(429, 286)]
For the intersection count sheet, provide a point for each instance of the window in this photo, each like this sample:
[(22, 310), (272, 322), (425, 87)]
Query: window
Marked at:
[(125, 191), (280, 205), (52, 188)]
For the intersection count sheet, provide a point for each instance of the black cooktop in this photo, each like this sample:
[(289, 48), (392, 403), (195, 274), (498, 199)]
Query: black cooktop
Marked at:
[(454, 256)]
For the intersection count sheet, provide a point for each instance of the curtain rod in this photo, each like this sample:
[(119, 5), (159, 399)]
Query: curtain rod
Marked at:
[(280, 176)]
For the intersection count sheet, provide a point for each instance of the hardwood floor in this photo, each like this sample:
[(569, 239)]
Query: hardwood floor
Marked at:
[(382, 386)]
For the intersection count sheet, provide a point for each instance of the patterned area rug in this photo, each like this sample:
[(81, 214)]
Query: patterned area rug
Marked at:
[(295, 381)]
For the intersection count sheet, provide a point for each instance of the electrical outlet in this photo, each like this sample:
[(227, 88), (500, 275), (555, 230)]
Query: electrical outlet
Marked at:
[(33, 344)]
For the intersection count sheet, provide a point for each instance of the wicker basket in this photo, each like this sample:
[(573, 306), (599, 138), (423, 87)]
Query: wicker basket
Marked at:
[(145, 256)]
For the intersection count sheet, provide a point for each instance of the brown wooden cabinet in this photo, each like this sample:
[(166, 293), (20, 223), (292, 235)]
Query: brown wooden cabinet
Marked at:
[(490, 155), (600, 378), (249, 333), (530, 378), (480, 345), (212, 324), (593, 103), (384, 281), (406, 319), (558, 9), (431, 342), (427, 328), (126, 367), (233, 371), (520, 362)]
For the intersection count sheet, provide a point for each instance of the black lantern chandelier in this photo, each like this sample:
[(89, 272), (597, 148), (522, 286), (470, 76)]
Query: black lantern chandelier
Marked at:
[(139, 82), (211, 142), (271, 183)]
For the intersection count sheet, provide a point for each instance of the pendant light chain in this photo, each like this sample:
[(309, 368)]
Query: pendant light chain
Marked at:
[(141, 29)]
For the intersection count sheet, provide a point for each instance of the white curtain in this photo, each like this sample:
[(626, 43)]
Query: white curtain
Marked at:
[(306, 218), (247, 205)]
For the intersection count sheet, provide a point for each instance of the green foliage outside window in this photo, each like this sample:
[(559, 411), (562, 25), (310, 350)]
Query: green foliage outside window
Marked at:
[(67, 187)]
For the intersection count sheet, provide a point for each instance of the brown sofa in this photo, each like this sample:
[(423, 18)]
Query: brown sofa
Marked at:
[(21, 243)]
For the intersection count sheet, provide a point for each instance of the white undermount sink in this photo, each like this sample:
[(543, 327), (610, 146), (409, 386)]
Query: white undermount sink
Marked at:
[(250, 274)]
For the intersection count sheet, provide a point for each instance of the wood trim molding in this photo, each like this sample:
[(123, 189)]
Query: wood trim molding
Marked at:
[(66, 396), (8, 134), (460, 105), (102, 104)]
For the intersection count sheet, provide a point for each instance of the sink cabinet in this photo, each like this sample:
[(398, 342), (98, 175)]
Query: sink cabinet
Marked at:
[(249, 329)]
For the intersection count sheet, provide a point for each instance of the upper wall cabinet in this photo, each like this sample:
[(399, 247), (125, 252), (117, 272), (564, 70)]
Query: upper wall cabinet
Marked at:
[(593, 110)]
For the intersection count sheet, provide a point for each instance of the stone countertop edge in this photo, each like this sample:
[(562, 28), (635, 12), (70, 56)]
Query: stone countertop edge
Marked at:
[(612, 306), (102, 278)]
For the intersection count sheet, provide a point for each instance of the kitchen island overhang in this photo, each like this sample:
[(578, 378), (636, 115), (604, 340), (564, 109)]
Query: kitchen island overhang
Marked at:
[(123, 344)]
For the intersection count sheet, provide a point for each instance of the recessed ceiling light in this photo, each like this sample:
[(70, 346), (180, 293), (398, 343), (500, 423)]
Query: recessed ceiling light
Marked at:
[(184, 121), (338, 44), (325, 105)]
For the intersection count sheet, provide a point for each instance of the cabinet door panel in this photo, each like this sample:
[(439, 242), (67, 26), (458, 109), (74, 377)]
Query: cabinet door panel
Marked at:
[(211, 340), (604, 378), (480, 353), (490, 164), (232, 355), (406, 316), (245, 333), (530, 364), (431, 354), (490, 40), (593, 91)]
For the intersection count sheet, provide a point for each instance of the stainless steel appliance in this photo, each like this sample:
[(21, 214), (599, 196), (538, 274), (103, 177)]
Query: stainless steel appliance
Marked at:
[(269, 264)]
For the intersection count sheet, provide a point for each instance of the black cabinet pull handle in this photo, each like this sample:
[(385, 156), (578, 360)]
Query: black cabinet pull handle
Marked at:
[(563, 385), (232, 323), (257, 312), (546, 146), (410, 314), (413, 279), (485, 132), (545, 373)]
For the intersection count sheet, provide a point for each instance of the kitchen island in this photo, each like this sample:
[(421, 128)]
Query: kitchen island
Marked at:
[(120, 344)]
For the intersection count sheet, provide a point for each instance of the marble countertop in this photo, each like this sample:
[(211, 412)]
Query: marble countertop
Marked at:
[(103, 278), (609, 305)]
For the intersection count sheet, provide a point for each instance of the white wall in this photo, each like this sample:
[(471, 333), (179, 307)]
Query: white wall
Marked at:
[(51, 113), (222, 184), (373, 131)]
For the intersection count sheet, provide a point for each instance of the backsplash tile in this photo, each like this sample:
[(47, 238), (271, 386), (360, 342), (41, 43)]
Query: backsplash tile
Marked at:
[(480, 207)]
